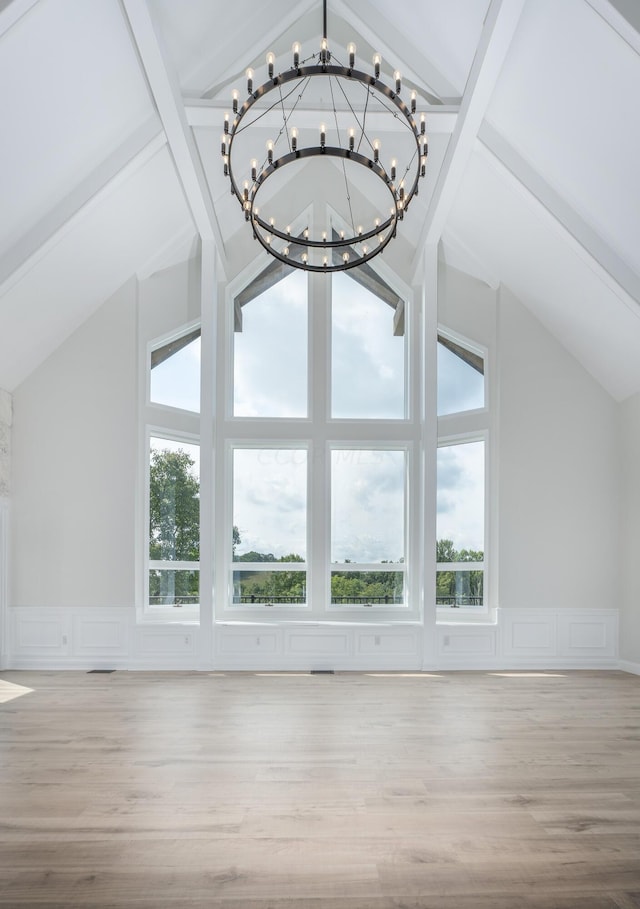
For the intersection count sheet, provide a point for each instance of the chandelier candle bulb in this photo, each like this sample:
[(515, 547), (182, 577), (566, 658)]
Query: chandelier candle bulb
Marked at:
[(376, 150), (254, 170), (306, 233), (304, 257), (294, 139), (271, 59), (393, 169), (325, 261), (352, 138), (351, 49), (249, 75), (323, 135), (377, 60), (225, 161), (234, 100), (398, 79), (324, 51), (423, 124), (285, 251), (224, 145), (226, 122), (270, 151), (296, 54), (345, 257), (245, 191), (413, 102)]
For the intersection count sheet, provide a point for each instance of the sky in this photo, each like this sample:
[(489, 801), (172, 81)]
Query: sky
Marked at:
[(367, 381)]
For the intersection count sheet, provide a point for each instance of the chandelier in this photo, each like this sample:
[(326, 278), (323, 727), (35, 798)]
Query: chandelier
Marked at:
[(330, 114)]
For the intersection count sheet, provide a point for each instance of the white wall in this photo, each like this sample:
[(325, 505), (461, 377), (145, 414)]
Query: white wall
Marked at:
[(555, 483), (559, 481), (630, 525), (5, 442), (74, 467), (75, 451)]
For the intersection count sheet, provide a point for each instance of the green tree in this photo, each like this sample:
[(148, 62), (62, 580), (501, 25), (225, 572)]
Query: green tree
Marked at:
[(174, 524)]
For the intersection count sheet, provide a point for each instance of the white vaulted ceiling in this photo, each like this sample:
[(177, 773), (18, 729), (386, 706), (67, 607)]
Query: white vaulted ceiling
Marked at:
[(110, 115)]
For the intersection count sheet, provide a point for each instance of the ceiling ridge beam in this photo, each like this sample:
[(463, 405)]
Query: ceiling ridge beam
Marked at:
[(166, 93), (208, 114), (133, 154), (499, 28), (593, 249)]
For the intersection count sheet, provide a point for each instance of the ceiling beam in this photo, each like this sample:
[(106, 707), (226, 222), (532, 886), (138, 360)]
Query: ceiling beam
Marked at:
[(497, 33), (623, 16), (46, 233), (208, 114), (615, 273), (164, 87), (13, 10)]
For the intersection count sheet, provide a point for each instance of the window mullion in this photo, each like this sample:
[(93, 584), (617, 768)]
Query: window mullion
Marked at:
[(319, 497)]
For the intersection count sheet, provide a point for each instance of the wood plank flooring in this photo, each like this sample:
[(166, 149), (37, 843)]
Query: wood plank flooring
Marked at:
[(295, 791)]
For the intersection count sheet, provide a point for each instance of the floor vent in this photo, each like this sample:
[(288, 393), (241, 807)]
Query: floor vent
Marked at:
[(322, 672), (89, 671)]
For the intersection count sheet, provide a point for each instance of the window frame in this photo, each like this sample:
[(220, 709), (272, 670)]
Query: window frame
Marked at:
[(317, 432), (189, 612), (280, 610), (153, 345), (469, 613)]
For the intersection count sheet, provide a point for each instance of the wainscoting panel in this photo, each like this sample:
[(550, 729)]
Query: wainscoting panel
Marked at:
[(529, 633), (109, 638), (465, 644), (100, 636), (581, 636)]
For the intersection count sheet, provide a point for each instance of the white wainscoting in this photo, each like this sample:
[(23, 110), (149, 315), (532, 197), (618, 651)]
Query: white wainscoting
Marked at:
[(326, 645), (109, 638), (96, 638)]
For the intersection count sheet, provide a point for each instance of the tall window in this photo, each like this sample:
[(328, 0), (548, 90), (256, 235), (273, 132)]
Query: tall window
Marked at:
[(460, 526), (368, 526), (318, 518), (367, 358), (270, 352), (269, 533), (174, 523)]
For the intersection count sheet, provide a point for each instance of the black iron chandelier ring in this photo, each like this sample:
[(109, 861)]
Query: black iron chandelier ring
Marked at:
[(302, 251)]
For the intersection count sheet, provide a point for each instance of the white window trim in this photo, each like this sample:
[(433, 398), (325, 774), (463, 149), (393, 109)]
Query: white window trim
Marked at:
[(448, 614), (147, 612)]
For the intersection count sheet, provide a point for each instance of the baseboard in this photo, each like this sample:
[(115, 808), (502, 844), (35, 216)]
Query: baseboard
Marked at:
[(628, 666)]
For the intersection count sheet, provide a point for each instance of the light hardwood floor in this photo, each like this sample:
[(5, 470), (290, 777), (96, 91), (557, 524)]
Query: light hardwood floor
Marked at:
[(296, 791)]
